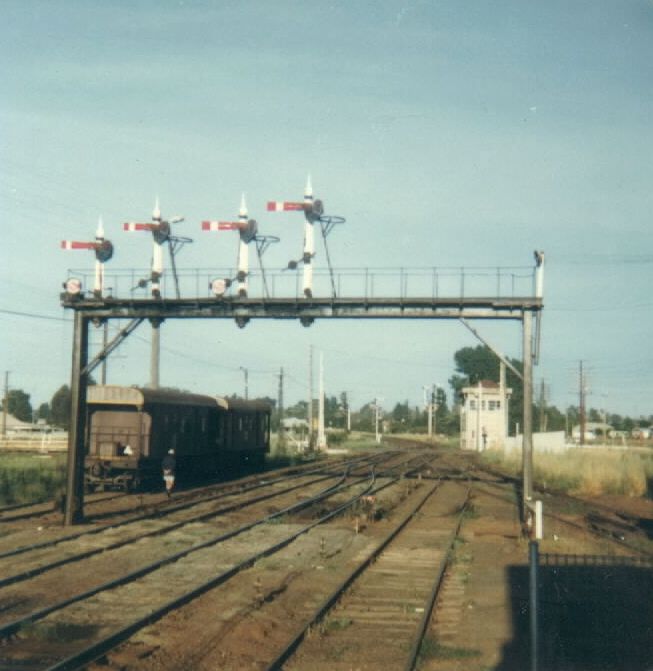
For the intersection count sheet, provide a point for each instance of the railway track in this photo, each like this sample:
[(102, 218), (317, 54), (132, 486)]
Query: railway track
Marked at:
[(198, 555), (377, 617), (188, 574)]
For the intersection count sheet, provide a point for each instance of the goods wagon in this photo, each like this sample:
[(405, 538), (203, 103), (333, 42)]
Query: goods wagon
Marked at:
[(130, 429)]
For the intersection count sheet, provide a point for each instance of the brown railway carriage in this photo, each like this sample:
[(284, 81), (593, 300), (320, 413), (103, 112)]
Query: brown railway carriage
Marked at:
[(130, 429)]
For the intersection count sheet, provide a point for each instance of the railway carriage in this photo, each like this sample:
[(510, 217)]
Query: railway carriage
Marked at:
[(130, 429)]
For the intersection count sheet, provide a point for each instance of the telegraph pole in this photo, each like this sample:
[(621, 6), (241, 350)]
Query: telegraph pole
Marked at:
[(310, 396), (321, 437), (281, 433), (246, 373), (5, 403)]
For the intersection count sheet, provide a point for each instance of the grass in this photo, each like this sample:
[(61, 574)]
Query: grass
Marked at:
[(431, 649), (28, 478), (588, 472)]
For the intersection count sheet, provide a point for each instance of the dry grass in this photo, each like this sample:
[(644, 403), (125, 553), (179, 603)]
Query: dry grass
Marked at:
[(586, 472)]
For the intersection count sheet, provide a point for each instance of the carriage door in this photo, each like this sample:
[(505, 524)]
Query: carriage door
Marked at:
[(112, 431)]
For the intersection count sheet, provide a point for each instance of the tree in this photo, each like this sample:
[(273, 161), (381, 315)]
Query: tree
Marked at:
[(60, 407), (18, 405), (43, 412)]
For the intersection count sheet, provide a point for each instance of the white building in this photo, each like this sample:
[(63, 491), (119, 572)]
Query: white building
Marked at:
[(484, 416)]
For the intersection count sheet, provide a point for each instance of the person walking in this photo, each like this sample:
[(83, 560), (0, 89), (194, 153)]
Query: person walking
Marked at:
[(169, 466)]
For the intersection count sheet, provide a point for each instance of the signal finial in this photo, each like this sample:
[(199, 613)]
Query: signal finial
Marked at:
[(99, 233), (156, 212)]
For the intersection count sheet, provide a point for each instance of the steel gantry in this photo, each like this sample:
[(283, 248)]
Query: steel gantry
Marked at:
[(94, 309)]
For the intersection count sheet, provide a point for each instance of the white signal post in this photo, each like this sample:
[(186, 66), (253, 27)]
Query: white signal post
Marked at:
[(157, 253), (243, 250), (313, 210), (99, 266), (309, 239)]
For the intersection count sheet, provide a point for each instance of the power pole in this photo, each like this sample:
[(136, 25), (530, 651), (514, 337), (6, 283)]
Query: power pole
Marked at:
[(310, 397), (582, 404), (281, 433), (246, 373), (377, 412), (321, 436), (542, 404), (5, 403)]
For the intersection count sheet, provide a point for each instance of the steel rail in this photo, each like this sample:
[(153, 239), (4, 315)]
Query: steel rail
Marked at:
[(437, 584), (333, 598), (39, 570), (589, 528), (164, 512), (12, 627), (100, 648), (46, 502)]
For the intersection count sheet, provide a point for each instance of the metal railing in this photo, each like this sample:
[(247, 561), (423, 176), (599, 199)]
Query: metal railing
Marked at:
[(434, 282)]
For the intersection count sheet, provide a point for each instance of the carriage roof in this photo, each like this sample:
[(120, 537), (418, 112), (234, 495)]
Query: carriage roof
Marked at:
[(140, 396)]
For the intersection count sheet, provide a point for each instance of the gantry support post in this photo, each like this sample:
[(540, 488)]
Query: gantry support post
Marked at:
[(155, 353), (527, 443), (74, 505)]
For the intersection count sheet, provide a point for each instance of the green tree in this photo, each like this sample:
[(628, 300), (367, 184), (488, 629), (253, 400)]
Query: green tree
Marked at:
[(43, 412), (18, 405), (60, 407)]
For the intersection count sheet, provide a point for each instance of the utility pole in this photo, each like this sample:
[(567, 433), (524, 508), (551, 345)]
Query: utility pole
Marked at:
[(321, 436), (582, 404), (5, 403), (542, 404), (281, 432), (310, 397), (377, 409), (246, 372)]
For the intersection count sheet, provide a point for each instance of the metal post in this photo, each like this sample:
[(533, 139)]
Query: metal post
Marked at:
[(155, 355), (527, 446), (310, 397), (533, 564), (5, 403), (74, 508)]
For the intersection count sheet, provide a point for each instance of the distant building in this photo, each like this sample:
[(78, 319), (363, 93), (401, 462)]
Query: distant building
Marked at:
[(484, 416), (18, 427), (593, 430)]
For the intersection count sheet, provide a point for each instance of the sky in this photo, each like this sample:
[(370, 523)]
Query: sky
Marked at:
[(448, 133)]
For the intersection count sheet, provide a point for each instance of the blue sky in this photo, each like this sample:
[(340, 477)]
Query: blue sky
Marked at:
[(448, 133)]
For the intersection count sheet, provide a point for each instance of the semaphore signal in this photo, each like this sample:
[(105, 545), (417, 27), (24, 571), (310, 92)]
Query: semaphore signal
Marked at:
[(161, 233), (248, 233), (103, 252), (313, 210)]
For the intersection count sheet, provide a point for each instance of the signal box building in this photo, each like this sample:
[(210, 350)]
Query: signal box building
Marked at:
[(484, 416)]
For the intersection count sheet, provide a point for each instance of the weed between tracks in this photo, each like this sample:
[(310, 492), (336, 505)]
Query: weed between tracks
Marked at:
[(431, 649), (60, 632)]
